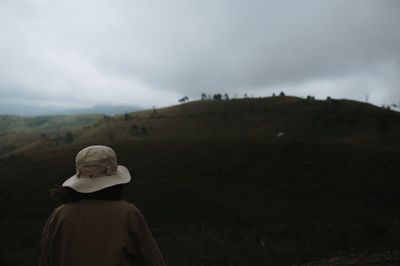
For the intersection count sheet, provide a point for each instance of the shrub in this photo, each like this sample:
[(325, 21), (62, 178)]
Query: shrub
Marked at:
[(217, 96), (69, 137)]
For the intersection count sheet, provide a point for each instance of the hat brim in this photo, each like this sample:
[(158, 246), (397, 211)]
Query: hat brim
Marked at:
[(88, 185)]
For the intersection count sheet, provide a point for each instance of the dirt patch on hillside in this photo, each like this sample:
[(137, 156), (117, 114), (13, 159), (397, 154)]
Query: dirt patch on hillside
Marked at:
[(388, 258)]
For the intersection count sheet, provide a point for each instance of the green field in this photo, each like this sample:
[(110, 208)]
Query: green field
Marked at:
[(12, 123), (21, 132)]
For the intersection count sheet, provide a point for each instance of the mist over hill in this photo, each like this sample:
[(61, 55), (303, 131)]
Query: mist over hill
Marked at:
[(103, 109), (37, 110), (266, 181)]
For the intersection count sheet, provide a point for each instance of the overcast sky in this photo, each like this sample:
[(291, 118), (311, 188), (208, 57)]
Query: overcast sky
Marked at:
[(78, 53)]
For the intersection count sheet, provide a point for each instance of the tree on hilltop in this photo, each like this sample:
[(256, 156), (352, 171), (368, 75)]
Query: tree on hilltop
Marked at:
[(217, 96), (184, 99)]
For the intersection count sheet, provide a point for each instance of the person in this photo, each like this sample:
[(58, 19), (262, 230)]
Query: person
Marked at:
[(94, 226)]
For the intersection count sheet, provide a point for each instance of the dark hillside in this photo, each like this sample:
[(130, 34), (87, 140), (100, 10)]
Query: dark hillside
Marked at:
[(335, 120), (218, 187)]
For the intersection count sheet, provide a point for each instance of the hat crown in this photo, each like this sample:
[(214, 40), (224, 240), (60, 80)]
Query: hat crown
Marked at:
[(96, 161)]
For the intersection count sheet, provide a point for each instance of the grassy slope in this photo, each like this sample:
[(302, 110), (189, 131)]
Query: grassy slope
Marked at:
[(18, 132), (231, 193), (337, 121), (11, 123)]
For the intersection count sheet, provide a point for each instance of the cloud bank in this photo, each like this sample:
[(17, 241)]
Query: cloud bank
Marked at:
[(151, 53)]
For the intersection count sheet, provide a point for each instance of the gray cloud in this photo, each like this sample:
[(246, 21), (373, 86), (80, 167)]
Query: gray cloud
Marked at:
[(81, 53)]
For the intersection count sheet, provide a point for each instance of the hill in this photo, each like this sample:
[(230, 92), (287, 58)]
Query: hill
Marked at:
[(336, 120), (219, 187), (341, 121), (20, 131), (12, 123)]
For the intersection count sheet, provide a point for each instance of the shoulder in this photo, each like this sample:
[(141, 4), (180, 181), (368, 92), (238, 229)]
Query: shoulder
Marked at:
[(125, 204), (118, 208), (131, 211), (130, 208), (54, 216), (56, 212), (121, 204)]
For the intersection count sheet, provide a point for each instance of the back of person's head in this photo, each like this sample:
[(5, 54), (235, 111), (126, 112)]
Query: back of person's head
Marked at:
[(98, 176)]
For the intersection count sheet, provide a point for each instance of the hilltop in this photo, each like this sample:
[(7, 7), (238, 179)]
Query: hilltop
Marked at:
[(220, 186), (334, 120)]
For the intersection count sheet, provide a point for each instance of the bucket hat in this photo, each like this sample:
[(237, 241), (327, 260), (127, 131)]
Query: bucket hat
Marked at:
[(96, 169)]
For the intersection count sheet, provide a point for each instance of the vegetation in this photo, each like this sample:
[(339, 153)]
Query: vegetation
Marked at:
[(184, 99), (219, 187), (19, 132), (11, 123)]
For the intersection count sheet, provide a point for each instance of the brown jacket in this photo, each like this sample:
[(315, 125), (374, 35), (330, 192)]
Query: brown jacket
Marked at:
[(98, 232)]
